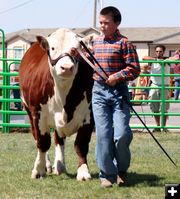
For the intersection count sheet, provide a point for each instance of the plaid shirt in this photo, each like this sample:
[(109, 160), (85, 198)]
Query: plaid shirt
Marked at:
[(116, 56)]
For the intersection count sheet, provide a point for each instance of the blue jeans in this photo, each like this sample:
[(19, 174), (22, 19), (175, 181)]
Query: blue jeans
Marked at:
[(177, 91), (113, 133)]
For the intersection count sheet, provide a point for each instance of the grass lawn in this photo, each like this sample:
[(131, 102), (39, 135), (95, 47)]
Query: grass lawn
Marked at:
[(150, 170)]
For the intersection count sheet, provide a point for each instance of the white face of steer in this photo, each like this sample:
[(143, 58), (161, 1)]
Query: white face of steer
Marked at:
[(59, 46)]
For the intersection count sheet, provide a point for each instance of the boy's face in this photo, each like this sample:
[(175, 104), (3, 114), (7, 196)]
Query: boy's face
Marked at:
[(107, 25), (159, 52)]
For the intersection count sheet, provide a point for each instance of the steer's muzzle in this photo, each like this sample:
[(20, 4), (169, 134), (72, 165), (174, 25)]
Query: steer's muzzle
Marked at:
[(67, 70)]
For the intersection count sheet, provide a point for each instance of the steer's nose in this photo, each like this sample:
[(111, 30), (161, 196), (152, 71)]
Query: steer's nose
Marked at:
[(67, 67), (67, 70)]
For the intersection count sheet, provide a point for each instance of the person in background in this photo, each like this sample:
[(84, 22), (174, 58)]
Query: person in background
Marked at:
[(16, 95), (131, 90), (118, 57), (156, 81), (145, 82), (142, 81), (176, 68)]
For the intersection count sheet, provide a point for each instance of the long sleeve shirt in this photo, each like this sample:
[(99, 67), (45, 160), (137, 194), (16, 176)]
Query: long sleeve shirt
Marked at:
[(116, 56)]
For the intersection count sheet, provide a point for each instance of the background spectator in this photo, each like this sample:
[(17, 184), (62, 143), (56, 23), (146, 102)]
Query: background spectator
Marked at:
[(176, 68), (156, 81)]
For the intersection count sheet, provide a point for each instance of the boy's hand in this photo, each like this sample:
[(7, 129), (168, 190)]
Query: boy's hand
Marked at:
[(111, 81)]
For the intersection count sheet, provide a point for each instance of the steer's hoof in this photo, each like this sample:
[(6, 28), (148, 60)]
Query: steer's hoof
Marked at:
[(59, 171), (36, 175), (49, 170), (59, 168), (83, 173)]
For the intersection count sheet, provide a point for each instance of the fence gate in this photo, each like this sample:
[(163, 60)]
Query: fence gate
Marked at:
[(6, 76)]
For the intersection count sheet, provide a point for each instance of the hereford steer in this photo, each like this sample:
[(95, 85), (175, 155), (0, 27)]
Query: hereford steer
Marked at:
[(56, 92)]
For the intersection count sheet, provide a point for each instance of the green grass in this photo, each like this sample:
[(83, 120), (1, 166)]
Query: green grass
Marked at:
[(150, 170)]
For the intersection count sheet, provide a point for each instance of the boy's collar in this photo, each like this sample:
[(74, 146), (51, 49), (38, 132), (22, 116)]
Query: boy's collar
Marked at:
[(114, 36)]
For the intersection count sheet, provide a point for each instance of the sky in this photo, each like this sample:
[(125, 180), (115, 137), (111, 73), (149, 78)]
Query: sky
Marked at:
[(16, 15)]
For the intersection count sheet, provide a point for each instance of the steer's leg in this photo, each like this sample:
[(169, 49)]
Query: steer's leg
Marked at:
[(59, 161), (81, 146), (43, 143), (39, 169), (48, 164)]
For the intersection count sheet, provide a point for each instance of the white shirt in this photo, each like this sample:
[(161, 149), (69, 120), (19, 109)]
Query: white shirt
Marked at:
[(156, 68)]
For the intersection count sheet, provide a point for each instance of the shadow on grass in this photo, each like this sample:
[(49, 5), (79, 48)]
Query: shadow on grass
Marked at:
[(133, 179), (146, 179)]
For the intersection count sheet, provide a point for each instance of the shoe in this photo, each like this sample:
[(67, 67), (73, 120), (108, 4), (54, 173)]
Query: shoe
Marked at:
[(121, 178), (106, 183), (156, 130)]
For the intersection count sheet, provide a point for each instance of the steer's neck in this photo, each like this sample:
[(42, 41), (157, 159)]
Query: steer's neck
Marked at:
[(61, 90)]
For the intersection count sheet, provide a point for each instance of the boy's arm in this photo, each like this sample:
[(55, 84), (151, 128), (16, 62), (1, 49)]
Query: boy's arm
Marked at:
[(132, 67)]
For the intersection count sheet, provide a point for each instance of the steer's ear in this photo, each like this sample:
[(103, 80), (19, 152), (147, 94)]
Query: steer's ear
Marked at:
[(43, 42), (88, 40)]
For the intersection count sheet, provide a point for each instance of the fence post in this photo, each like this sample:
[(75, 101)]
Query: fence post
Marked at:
[(162, 96), (5, 92)]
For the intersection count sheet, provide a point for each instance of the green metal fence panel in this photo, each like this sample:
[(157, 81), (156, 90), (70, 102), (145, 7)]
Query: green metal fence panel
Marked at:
[(5, 89), (163, 87), (6, 100)]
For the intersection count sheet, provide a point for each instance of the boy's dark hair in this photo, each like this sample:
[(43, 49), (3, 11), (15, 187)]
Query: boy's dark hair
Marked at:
[(112, 11), (161, 46)]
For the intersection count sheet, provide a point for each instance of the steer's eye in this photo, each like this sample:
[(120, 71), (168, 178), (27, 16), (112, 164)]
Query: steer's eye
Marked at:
[(52, 48), (73, 52)]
